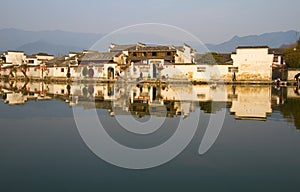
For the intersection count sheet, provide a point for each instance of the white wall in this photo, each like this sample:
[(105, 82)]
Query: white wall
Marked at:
[(253, 63), (55, 72), (17, 58)]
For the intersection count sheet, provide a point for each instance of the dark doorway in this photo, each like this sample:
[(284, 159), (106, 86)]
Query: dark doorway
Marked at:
[(110, 73), (154, 71)]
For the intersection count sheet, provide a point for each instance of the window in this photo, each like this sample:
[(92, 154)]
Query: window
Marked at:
[(62, 91), (134, 54), (154, 54), (201, 69), (62, 70), (168, 53), (233, 69), (30, 61)]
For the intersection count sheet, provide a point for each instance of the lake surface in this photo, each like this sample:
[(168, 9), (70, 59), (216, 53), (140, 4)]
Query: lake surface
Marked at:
[(247, 137)]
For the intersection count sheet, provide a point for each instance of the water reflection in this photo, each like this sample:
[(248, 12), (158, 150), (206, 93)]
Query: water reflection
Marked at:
[(244, 102)]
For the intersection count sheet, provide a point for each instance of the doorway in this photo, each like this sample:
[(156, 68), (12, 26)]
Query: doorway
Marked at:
[(110, 73)]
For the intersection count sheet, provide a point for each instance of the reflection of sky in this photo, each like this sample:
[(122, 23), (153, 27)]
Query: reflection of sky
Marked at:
[(46, 153)]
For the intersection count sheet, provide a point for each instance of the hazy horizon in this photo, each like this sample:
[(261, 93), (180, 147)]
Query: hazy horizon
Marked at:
[(103, 34), (210, 21)]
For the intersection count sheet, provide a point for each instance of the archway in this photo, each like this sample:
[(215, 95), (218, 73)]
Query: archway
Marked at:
[(91, 73)]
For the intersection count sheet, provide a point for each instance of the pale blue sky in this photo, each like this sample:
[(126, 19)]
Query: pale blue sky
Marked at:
[(211, 21)]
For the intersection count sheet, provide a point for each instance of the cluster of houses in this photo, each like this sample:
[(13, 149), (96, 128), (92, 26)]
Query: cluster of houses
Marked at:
[(248, 63)]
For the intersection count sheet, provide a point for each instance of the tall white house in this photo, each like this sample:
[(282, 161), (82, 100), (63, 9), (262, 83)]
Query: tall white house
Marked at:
[(13, 58), (252, 63)]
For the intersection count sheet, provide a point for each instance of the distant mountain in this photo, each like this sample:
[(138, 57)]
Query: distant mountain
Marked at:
[(28, 41), (273, 40), (45, 47), (61, 42)]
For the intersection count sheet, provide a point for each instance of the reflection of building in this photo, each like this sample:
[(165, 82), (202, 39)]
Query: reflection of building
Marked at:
[(246, 102), (292, 72), (252, 102), (13, 98)]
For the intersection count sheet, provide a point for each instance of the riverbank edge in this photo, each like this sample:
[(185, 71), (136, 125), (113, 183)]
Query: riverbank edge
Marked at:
[(149, 81)]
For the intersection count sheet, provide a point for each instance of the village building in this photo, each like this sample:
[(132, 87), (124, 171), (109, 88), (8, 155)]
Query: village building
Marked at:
[(279, 68), (184, 54), (209, 66), (11, 60), (96, 65), (32, 67), (35, 65), (252, 63), (146, 61), (56, 68)]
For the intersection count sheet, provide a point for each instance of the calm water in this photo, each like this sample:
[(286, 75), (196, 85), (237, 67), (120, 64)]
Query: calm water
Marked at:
[(42, 148)]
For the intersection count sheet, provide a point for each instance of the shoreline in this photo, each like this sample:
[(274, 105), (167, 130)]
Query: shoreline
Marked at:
[(149, 81)]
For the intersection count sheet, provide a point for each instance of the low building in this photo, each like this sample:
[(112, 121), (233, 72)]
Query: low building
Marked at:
[(32, 67), (56, 68), (184, 54), (252, 63), (279, 68), (11, 60), (213, 66), (97, 65)]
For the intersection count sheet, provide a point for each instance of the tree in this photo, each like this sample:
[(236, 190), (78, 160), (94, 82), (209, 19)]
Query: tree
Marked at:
[(292, 55), (85, 71)]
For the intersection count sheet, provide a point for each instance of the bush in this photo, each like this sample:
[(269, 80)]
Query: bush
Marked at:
[(292, 56)]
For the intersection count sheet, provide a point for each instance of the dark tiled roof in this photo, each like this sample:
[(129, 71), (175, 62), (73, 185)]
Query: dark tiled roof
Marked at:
[(276, 51), (14, 51), (119, 48), (58, 61), (213, 58), (98, 56), (31, 56), (43, 54), (251, 47)]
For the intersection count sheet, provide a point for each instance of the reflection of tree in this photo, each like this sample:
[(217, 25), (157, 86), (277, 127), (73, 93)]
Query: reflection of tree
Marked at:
[(211, 107), (85, 71), (291, 110), (85, 92)]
